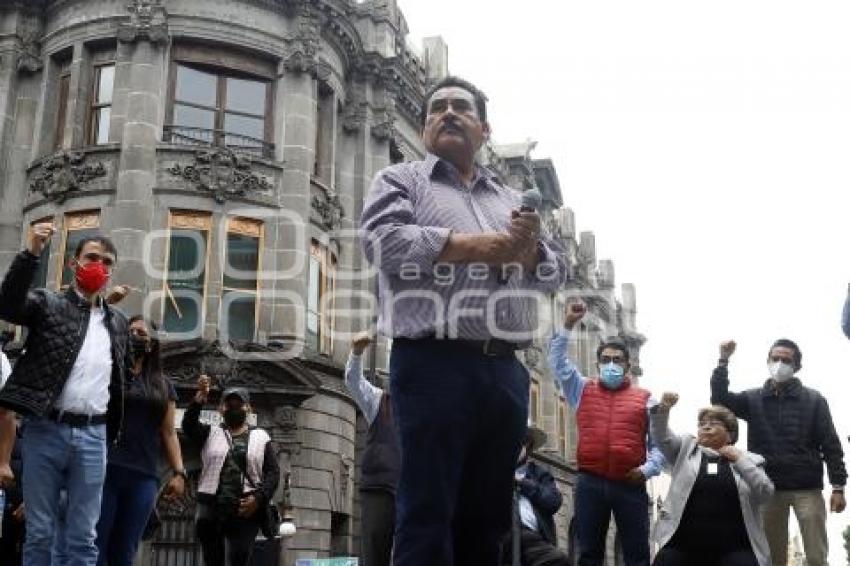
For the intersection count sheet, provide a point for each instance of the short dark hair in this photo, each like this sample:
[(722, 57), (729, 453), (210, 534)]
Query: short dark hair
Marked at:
[(480, 98), (98, 238), (615, 343), (724, 415), (790, 344)]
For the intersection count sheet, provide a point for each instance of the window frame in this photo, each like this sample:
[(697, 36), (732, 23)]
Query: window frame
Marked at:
[(94, 107), (229, 64), (327, 320), (253, 228), (562, 424), (534, 405), (74, 222), (63, 93), (179, 219)]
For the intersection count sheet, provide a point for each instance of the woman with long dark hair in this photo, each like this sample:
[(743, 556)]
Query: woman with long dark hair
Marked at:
[(132, 483)]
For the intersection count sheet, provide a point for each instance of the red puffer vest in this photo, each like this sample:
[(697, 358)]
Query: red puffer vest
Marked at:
[(612, 429)]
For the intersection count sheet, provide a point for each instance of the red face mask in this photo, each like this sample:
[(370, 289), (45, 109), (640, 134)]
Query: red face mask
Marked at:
[(92, 276)]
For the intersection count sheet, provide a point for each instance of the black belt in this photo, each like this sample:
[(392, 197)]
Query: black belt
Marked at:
[(76, 420), (493, 347)]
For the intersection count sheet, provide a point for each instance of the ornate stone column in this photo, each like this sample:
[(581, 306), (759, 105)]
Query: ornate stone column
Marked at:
[(140, 85)]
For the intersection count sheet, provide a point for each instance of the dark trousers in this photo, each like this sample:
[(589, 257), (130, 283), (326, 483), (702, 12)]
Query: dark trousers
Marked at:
[(537, 551), (596, 498), (670, 556), (128, 499), (12, 541), (225, 540), (461, 418), (377, 521)]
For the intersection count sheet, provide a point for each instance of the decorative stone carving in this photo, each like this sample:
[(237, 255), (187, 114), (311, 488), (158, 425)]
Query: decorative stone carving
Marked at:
[(147, 21), (302, 47), (63, 174), (29, 51), (285, 419), (354, 114), (383, 122), (326, 210), (223, 174)]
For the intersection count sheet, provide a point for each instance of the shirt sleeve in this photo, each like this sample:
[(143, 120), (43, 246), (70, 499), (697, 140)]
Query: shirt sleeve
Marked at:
[(170, 390), (366, 395), (5, 369), (551, 271), (845, 316), (391, 238), (654, 457), (567, 376)]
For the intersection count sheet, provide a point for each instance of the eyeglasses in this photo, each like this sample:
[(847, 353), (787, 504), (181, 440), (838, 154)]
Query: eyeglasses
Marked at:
[(711, 423)]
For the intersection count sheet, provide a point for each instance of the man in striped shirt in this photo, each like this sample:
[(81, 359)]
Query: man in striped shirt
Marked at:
[(441, 232)]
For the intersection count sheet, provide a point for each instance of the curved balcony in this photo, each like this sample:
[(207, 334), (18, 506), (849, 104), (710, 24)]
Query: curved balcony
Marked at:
[(205, 137)]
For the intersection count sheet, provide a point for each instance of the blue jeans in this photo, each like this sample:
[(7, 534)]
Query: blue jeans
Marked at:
[(461, 418), (58, 456), (595, 499), (128, 499)]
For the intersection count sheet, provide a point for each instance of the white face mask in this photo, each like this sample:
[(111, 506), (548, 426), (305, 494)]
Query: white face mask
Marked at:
[(780, 371)]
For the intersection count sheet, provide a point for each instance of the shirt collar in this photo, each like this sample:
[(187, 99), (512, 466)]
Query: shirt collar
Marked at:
[(434, 164), (791, 388)]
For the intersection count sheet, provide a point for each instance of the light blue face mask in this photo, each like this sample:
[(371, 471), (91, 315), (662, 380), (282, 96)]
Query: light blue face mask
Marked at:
[(611, 375)]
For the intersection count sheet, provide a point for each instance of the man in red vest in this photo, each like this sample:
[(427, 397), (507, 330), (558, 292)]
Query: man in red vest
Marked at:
[(615, 455)]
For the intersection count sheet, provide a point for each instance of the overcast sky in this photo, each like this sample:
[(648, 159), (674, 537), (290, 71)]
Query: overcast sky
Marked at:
[(707, 145)]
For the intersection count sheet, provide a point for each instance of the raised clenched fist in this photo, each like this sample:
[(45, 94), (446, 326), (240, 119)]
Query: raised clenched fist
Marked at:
[(39, 236), (573, 313), (669, 399), (727, 348), (360, 341), (203, 389)]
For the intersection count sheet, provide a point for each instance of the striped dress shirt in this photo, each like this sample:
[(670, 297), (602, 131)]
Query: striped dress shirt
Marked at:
[(407, 218)]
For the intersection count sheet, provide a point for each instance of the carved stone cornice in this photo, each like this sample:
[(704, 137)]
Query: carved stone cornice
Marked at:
[(223, 174), (326, 210), (63, 174), (148, 20)]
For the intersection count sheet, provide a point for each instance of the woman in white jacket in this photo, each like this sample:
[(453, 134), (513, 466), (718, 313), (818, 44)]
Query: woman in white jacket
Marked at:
[(712, 513)]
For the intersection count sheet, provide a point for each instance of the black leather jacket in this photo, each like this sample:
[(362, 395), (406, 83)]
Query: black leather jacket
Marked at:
[(57, 325)]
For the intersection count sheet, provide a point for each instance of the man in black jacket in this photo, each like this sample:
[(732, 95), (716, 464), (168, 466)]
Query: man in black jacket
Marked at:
[(538, 500), (67, 386), (791, 426)]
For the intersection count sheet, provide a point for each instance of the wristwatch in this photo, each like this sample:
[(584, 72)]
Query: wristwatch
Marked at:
[(180, 472)]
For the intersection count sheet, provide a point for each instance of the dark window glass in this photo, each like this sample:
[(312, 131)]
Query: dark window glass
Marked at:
[(240, 285), (241, 313), (243, 255), (244, 126), (193, 117), (197, 87), (246, 96), (184, 292)]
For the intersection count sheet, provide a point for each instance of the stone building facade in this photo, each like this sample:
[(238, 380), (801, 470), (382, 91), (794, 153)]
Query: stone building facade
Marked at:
[(226, 147)]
